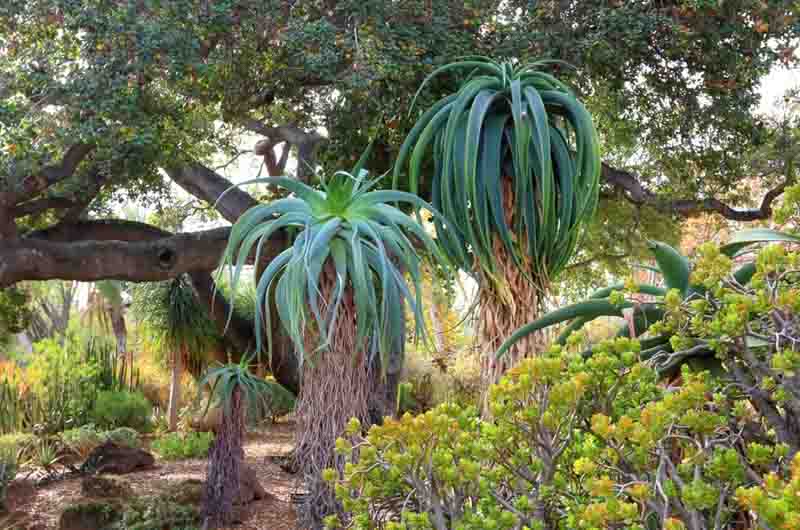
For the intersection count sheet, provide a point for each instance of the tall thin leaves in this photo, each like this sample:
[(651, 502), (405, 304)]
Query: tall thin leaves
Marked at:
[(354, 236), (514, 122)]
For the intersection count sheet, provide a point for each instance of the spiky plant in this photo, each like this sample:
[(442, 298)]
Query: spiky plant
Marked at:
[(179, 328), (235, 390), (516, 169), (340, 291), (106, 310)]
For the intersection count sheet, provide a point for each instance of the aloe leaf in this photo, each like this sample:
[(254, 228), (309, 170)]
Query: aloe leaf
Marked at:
[(745, 238), (673, 265)]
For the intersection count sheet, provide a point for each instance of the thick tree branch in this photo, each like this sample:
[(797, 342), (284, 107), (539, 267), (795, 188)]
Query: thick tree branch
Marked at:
[(636, 193), (33, 258), (35, 184), (131, 250), (37, 206), (208, 185)]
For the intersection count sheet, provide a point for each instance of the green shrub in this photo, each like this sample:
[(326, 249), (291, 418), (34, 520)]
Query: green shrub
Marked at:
[(577, 442), (8, 470), (179, 446), (122, 409), (157, 513), (124, 436)]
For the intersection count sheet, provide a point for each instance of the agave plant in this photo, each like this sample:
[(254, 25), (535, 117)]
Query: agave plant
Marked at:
[(676, 273), (341, 294), (516, 170)]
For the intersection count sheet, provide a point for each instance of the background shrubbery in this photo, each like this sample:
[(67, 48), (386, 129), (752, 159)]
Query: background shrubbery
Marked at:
[(122, 408), (180, 446)]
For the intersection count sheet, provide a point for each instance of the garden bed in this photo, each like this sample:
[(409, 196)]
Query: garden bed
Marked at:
[(40, 508)]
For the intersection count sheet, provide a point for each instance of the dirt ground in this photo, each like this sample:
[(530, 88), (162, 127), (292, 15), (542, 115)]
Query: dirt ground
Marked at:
[(41, 507)]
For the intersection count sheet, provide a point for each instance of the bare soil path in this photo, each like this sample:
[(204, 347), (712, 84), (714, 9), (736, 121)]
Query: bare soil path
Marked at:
[(42, 507)]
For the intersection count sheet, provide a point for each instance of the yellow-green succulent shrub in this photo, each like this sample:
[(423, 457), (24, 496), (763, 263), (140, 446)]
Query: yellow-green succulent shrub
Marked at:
[(604, 439)]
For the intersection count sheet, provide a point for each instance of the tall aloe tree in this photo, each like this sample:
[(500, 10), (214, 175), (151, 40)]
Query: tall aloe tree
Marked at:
[(340, 290), (178, 327), (516, 169)]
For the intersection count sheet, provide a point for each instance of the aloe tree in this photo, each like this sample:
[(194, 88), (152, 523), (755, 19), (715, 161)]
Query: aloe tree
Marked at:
[(178, 327), (341, 291), (516, 170), (675, 270), (235, 390)]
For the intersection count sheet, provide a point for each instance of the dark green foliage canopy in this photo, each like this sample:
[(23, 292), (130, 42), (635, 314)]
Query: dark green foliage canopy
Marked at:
[(97, 97)]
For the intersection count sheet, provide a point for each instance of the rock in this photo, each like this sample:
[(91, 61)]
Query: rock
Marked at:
[(104, 487), (116, 459), (90, 516), (189, 491)]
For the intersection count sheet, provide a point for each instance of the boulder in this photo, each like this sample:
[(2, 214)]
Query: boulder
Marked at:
[(116, 459), (105, 487), (191, 491), (89, 516)]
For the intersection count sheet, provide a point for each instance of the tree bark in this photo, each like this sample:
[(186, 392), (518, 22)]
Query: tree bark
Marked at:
[(636, 193), (160, 259), (175, 389)]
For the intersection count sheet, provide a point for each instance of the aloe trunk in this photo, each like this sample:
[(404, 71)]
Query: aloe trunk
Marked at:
[(497, 318), (224, 464), (508, 304), (336, 387), (175, 389)]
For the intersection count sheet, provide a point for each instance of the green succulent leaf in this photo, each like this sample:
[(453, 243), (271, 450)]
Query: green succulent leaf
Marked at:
[(673, 266), (345, 238), (745, 238)]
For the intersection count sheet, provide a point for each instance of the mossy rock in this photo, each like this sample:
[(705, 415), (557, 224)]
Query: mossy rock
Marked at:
[(90, 516), (105, 487), (157, 513), (189, 491)]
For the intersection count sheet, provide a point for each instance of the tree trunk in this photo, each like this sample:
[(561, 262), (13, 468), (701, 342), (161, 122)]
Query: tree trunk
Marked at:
[(175, 389), (501, 313), (224, 465), (498, 319), (337, 384)]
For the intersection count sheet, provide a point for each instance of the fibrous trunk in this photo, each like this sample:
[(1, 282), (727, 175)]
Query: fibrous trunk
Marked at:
[(174, 390), (224, 464), (336, 386), (502, 313), (498, 318)]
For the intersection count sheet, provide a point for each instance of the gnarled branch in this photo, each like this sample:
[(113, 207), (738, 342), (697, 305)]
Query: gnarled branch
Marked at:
[(636, 193), (305, 142), (35, 184), (208, 185)]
